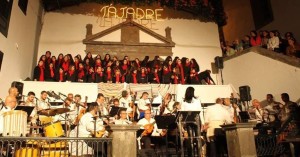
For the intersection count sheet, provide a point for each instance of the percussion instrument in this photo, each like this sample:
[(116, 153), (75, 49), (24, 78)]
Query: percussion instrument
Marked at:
[(45, 119), (57, 149), (15, 123), (32, 151), (53, 129), (53, 112)]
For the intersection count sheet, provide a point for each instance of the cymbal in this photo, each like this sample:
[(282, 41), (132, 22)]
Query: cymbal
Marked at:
[(53, 112)]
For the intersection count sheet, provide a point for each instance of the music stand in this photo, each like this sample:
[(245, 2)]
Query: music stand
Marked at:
[(116, 110), (27, 109), (187, 116), (165, 122), (190, 118), (244, 116)]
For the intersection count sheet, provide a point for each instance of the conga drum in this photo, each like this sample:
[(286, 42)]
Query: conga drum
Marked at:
[(15, 123), (57, 149), (53, 129)]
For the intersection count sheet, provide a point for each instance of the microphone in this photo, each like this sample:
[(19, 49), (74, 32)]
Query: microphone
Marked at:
[(50, 94), (55, 95), (62, 94)]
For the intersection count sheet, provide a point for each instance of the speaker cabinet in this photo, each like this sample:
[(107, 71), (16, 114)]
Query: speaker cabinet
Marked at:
[(19, 86), (245, 93), (219, 62)]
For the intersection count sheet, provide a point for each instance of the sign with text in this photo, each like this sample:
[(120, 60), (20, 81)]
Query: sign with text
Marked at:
[(110, 16)]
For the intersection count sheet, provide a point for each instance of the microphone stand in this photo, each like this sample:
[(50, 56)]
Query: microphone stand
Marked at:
[(38, 122)]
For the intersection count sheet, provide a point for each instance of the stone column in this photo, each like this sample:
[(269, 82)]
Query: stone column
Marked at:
[(124, 141), (240, 139)]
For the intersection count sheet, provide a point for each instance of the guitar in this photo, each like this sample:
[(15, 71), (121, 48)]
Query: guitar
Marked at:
[(81, 112), (99, 133), (149, 129)]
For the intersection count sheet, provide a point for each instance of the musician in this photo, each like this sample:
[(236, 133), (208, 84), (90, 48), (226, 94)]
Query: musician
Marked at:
[(271, 109), (143, 105), (176, 107), (123, 118), (216, 115), (13, 91), (192, 103), (287, 108), (30, 102), (10, 104), (86, 127), (150, 129), (125, 101), (166, 107), (256, 111), (102, 108), (42, 103), (230, 107)]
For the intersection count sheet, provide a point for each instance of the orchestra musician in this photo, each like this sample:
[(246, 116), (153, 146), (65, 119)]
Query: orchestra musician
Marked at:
[(123, 119), (191, 103), (216, 115), (101, 104), (166, 106), (125, 101), (30, 102), (150, 129), (42, 102), (143, 105), (10, 104), (230, 107), (88, 125)]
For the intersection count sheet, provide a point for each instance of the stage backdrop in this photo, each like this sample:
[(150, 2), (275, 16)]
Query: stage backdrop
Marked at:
[(64, 31)]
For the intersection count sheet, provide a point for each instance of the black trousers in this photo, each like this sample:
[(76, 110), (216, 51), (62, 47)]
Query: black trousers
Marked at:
[(217, 147)]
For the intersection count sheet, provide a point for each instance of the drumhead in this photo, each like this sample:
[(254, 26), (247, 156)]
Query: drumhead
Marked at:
[(15, 112)]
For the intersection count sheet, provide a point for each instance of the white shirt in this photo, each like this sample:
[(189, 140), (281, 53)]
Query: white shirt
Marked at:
[(102, 109), (217, 113), (122, 122), (273, 42), (168, 109), (143, 122), (43, 104), (230, 109), (195, 105), (125, 103), (87, 125), (142, 104)]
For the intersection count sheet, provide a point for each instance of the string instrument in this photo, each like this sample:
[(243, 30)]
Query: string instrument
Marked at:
[(148, 129), (99, 133), (81, 112), (131, 115), (235, 116)]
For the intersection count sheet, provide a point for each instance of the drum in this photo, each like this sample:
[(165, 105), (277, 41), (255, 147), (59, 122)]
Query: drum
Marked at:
[(15, 123), (57, 149), (53, 129), (28, 152), (45, 119)]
